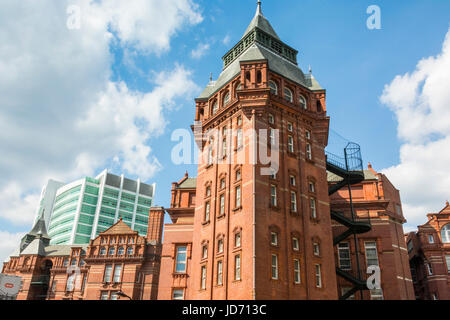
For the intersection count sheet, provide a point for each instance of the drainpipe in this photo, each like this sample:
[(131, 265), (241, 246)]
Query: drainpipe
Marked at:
[(254, 201)]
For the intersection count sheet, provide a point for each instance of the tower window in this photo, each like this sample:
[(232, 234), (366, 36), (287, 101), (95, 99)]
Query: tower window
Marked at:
[(290, 127), (291, 144), (274, 267), (238, 197), (318, 276), (222, 204), (258, 76), (292, 180), (205, 251), (219, 273), (108, 273), (247, 76), (237, 267), (273, 195), (215, 107), (445, 233), (203, 278), (293, 201), (308, 151), (274, 238), (303, 103), (430, 239), (288, 95), (312, 203), (316, 249), (237, 240), (226, 99), (220, 246), (207, 210), (273, 87), (297, 271), (295, 244)]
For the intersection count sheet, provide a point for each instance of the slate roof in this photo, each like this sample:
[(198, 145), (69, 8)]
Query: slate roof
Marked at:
[(257, 51), (189, 183), (368, 175)]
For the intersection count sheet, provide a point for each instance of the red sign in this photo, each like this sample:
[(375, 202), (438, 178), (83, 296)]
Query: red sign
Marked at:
[(9, 285)]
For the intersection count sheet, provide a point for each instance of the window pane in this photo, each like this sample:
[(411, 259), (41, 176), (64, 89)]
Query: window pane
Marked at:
[(181, 259)]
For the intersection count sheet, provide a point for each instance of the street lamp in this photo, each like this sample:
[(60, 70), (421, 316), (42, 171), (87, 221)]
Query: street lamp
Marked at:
[(122, 294)]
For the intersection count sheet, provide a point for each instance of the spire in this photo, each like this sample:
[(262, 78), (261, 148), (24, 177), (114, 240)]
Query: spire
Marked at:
[(258, 9), (261, 23)]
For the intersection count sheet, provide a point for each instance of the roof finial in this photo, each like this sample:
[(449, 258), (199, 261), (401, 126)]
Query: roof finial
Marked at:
[(210, 77), (447, 203), (310, 69), (258, 10)]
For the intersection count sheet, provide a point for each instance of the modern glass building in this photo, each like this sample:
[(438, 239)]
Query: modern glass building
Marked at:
[(86, 207)]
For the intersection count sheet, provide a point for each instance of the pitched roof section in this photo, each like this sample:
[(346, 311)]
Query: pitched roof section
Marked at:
[(36, 247), (259, 21), (119, 228), (446, 209), (39, 228), (368, 175), (189, 183)]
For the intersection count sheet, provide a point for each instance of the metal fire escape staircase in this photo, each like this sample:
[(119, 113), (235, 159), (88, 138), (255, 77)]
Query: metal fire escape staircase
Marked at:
[(350, 170)]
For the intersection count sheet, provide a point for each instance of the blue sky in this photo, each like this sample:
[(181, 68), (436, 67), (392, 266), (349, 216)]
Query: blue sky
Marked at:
[(350, 61), (95, 91)]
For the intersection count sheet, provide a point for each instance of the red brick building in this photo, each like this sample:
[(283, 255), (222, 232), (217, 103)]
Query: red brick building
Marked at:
[(253, 235), (118, 260), (174, 278), (376, 200), (429, 256)]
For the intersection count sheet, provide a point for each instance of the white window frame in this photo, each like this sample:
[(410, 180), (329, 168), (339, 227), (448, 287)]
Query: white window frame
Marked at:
[(273, 195), (178, 290), (303, 102), (203, 277), (288, 95), (308, 151), (295, 244), (290, 144), (222, 204), (117, 273), (238, 196), (371, 246), (293, 201), (275, 267), (297, 276), (207, 211), (430, 239), (179, 251), (274, 238), (107, 277), (237, 267), (318, 275), (313, 206), (219, 272)]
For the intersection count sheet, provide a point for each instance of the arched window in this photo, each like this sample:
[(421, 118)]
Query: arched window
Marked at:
[(215, 107), (226, 99), (445, 234), (120, 251), (111, 251), (273, 87), (303, 103), (319, 106), (238, 87), (288, 95), (130, 251), (247, 76)]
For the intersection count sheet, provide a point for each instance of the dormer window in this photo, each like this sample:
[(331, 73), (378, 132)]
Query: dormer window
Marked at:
[(288, 95), (273, 87), (102, 251), (303, 103)]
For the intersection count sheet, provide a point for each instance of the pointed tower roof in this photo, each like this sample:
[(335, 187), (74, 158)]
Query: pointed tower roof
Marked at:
[(261, 42), (446, 209), (259, 21), (39, 229)]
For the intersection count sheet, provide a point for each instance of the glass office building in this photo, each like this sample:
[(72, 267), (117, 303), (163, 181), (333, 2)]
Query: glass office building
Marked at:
[(84, 208)]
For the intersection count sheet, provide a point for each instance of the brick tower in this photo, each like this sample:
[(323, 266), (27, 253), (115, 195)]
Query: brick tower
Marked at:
[(262, 234)]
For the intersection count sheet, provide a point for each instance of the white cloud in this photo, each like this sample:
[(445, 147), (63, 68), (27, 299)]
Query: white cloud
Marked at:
[(61, 115), (9, 242), (421, 101), (226, 40), (201, 50)]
